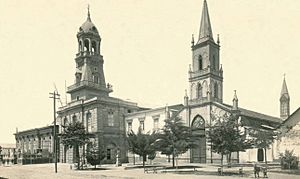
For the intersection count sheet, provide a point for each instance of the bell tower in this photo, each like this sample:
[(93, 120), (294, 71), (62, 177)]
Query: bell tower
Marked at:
[(205, 74), (89, 76), (284, 101)]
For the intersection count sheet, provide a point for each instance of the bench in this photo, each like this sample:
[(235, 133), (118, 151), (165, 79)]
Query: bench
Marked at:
[(240, 171), (150, 169), (154, 169)]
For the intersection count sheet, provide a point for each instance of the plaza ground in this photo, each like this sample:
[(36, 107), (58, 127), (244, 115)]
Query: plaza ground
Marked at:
[(45, 171)]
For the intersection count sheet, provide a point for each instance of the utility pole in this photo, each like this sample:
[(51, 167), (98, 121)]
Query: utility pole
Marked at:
[(82, 116), (55, 96)]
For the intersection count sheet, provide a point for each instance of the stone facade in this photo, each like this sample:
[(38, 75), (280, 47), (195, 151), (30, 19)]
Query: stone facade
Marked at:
[(289, 134), (35, 143), (149, 121), (91, 104), (206, 101)]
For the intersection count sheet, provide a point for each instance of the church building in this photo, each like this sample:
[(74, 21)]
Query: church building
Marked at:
[(205, 100), (91, 104), (111, 118)]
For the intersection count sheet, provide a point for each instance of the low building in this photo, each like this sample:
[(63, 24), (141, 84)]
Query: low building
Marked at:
[(7, 154), (35, 145), (149, 121)]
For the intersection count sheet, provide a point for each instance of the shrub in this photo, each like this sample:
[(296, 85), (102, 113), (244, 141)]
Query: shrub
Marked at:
[(288, 160)]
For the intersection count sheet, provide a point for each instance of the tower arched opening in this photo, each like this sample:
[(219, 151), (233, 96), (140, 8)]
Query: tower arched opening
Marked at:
[(86, 45)]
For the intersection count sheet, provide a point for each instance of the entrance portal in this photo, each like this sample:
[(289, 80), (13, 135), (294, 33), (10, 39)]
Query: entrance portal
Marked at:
[(198, 154), (260, 155)]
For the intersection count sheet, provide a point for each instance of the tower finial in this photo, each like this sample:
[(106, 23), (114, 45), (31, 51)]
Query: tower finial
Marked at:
[(89, 16), (193, 41), (218, 40)]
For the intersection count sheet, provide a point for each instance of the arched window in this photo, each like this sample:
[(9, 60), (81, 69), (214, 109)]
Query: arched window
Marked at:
[(204, 88), (110, 120), (95, 78), (86, 45), (216, 90), (80, 46), (214, 64), (74, 118), (198, 123), (89, 121), (65, 121), (94, 47), (200, 62), (199, 91), (193, 90)]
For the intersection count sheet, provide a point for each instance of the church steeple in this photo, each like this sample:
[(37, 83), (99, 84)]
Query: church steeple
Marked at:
[(205, 76), (205, 32), (284, 101)]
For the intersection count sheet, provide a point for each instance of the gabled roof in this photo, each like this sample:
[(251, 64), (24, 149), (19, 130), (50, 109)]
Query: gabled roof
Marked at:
[(291, 116), (175, 107), (253, 114)]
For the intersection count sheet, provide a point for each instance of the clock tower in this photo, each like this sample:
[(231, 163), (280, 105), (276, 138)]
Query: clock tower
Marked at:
[(205, 74)]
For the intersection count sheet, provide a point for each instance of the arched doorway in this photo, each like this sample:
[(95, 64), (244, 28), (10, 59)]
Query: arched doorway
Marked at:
[(111, 150), (260, 155), (198, 154)]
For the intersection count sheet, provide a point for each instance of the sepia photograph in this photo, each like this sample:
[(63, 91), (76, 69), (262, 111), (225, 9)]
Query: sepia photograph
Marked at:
[(149, 89)]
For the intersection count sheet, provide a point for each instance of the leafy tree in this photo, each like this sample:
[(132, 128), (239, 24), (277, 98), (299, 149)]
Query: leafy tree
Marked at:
[(226, 137), (263, 139), (75, 135), (288, 160), (142, 144), (176, 138), (94, 156)]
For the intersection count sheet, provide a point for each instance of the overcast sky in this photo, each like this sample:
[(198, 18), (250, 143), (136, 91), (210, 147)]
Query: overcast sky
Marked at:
[(146, 49)]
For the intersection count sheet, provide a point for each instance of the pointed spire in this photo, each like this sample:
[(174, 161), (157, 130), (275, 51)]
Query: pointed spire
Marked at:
[(193, 41), (235, 98), (284, 90), (186, 99), (89, 16), (235, 101), (205, 32), (218, 40), (168, 115)]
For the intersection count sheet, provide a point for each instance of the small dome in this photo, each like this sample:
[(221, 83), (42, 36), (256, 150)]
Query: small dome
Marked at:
[(88, 25)]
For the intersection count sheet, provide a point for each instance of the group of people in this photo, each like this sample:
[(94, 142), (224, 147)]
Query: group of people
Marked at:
[(258, 169)]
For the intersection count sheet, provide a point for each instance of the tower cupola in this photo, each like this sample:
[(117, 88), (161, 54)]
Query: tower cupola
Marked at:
[(89, 76)]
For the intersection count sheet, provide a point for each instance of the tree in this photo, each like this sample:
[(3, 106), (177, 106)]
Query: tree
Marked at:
[(288, 160), (75, 135), (226, 137), (142, 144), (176, 138), (94, 155), (263, 139)]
